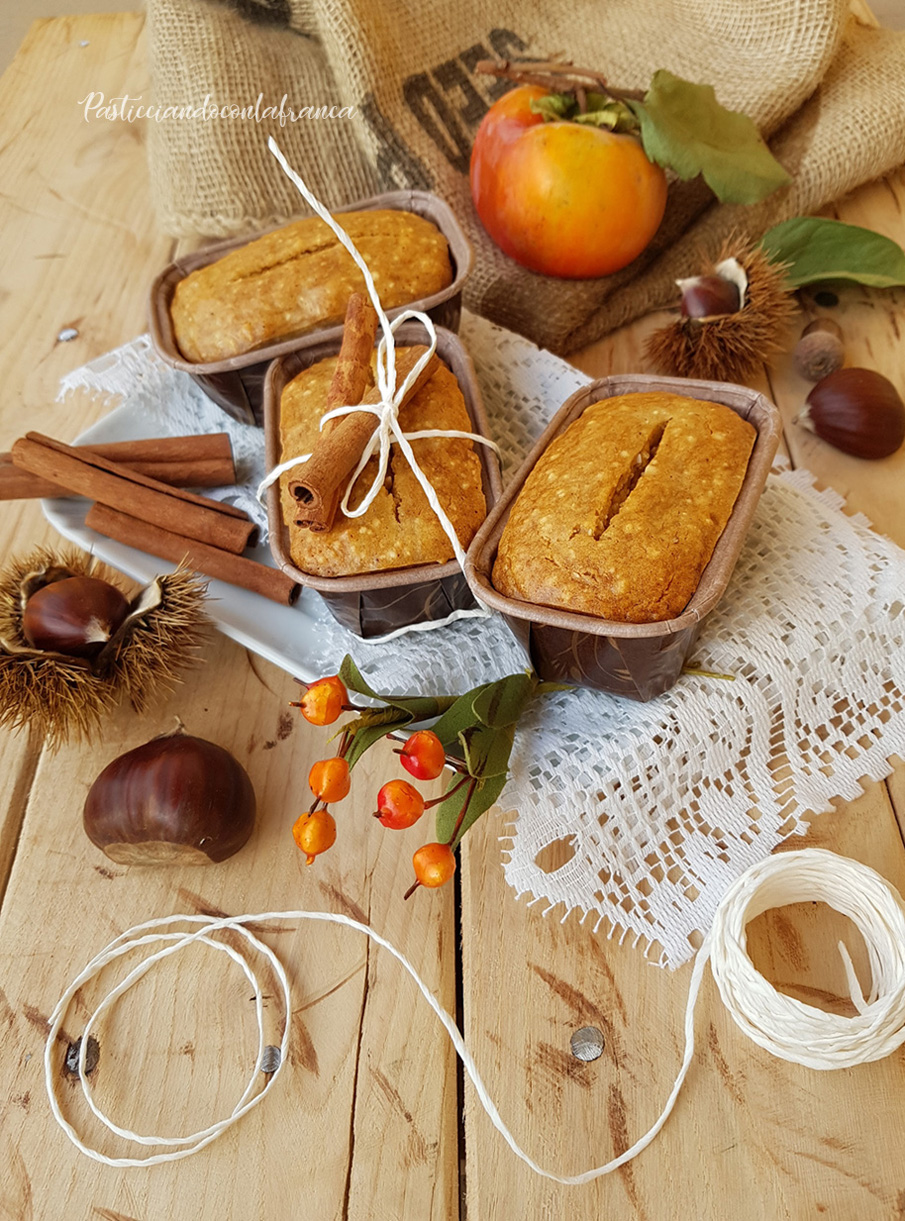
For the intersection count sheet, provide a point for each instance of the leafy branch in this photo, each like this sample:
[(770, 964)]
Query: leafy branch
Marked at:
[(681, 125), (476, 730)]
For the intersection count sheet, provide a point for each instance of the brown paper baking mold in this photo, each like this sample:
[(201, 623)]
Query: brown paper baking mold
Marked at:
[(638, 660), (237, 383), (373, 604)]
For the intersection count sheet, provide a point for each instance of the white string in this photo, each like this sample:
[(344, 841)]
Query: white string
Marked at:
[(787, 1027), (428, 625), (782, 1025), (387, 431)]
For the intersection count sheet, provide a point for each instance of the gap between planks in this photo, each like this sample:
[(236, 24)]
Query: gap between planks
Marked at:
[(18, 805)]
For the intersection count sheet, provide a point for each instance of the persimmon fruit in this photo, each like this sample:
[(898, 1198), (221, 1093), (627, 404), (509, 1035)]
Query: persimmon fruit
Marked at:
[(563, 198)]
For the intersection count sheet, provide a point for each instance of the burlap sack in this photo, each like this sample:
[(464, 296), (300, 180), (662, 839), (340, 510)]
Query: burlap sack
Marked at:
[(408, 70), (215, 177)]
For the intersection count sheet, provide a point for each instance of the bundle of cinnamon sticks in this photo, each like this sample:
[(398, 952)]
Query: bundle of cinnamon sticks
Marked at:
[(204, 460), (319, 486), (142, 511), (138, 487)]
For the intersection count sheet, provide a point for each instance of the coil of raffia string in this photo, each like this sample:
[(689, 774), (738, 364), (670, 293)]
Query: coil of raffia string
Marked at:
[(783, 1026), (787, 1027)]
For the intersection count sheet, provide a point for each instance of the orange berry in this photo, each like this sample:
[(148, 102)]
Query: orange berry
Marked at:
[(323, 701), (434, 864), (423, 755), (399, 805), (329, 779), (314, 833)]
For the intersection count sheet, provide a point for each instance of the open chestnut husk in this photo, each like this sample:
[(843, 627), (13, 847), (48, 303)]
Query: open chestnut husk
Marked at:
[(175, 800), (734, 315), (858, 411), (73, 644)]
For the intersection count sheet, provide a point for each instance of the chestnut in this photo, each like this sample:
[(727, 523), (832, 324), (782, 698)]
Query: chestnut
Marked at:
[(75, 616), (858, 411), (708, 296), (176, 799)]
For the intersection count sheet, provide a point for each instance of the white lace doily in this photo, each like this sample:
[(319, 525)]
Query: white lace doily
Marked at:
[(638, 816)]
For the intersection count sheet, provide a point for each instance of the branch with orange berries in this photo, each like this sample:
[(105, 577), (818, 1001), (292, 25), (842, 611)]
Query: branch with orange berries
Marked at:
[(471, 737)]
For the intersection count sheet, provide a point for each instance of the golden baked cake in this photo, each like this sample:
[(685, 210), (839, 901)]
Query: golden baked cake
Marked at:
[(399, 529), (299, 278), (621, 513)]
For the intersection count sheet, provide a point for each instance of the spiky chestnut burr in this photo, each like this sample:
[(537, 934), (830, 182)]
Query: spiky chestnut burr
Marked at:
[(728, 347), (65, 696)]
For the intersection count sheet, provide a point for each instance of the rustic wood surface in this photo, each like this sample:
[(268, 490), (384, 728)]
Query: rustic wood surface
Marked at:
[(366, 1120)]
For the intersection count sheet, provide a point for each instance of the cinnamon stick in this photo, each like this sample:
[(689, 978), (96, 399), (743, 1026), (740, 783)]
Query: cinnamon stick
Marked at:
[(352, 375), (164, 449), (336, 454), (192, 471), (118, 486), (270, 583), (318, 505)]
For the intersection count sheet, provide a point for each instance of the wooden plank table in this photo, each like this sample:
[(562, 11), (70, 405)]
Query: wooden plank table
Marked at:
[(366, 1121)]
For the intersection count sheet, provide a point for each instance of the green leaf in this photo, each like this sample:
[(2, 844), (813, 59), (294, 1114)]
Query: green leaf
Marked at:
[(684, 128), (486, 750), (459, 717), (819, 249), (374, 716), (503, 702), (498, 703), (483, 796), (372, 730), (419, 707), (478, 726), (353, 678), (554, 105)]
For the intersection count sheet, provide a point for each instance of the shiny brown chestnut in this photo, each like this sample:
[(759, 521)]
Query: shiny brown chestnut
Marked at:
[(858, 411), (709, 296), (75, 616), (176, 799)]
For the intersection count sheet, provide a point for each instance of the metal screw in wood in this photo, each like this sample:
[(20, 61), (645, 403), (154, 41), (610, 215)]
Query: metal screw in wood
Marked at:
[(587, 1043), (92, 1056), (270, 1059)]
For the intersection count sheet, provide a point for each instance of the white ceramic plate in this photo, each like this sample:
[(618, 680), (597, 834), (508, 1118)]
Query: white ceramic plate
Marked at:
[(289, 636)]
